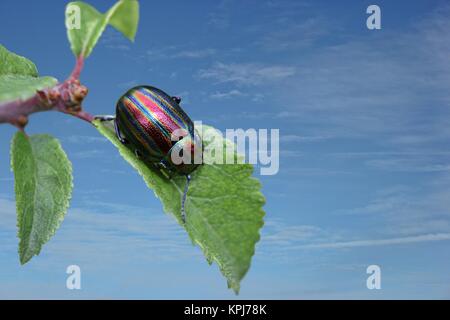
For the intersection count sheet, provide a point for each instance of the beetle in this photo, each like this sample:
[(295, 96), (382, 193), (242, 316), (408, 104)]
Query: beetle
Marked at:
[(153, 124)]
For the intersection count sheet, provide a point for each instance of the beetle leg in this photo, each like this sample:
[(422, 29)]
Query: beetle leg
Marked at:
[(116, 127), (165, 170), (177, 99), (105, 118), (138, 154), (183, 199), (118, 134)]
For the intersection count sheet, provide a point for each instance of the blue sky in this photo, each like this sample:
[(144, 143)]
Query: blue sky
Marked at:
[(364, 170)]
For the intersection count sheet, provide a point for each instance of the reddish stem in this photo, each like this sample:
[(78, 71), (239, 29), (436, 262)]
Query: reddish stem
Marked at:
[(83, 116), (65, 97), (78, 67)]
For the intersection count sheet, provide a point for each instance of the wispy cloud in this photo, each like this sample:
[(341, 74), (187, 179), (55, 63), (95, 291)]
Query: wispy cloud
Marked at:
[(87, 154), (294, 34), (410, 165), (226, 95), (278, 233), (104, 230), (377, 87), (418, 160), (292, 240), (395, 215), (82, 139), (246, 73), (179, 52), (408, 210), (378, 242), (119, 47), (195, 54), (220, 17), (235, 94), (311, 171), (290, 138), (112, 39)]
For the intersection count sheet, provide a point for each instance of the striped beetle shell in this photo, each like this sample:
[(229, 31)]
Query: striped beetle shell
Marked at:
[(147, 117)]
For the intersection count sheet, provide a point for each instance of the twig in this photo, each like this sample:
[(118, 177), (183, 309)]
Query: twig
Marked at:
[(64, 97)]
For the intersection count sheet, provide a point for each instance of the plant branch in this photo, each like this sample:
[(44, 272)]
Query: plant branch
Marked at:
[(64, 97), (78, 67)]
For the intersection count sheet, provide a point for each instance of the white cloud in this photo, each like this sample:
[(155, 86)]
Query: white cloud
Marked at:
[(226, 95), (82, 139), (88, 154), (105, 231), (195, 54), (397, 160), (390, 88), (119, 47), (220, 17), (408, 210), (280, 234), (395, 215), (246, 73), (235, 93), (420, 164), (290, 138), (294, 34), (179, 52), (378, 242)]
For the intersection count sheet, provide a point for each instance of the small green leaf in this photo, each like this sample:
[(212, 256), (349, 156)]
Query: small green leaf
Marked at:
[(223, 208), (19, 77), (124, 16), (11, 63), (43, 187), (83, 37), (13, 87)]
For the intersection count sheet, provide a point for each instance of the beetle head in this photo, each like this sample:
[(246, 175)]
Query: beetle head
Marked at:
[(186, 154)]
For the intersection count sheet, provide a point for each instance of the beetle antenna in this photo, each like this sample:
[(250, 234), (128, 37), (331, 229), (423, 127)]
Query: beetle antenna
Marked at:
[(183, 200), (105, 117)]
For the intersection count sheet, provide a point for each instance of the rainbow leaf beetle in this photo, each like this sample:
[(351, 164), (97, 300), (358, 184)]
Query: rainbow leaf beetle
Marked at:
[(154, 125)]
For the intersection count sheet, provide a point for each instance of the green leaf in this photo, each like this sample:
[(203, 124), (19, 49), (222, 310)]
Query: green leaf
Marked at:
[(223, 208), (11, 63), (43, 187), (84, 34), (14, 87), (124, 16), (19, 77)]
